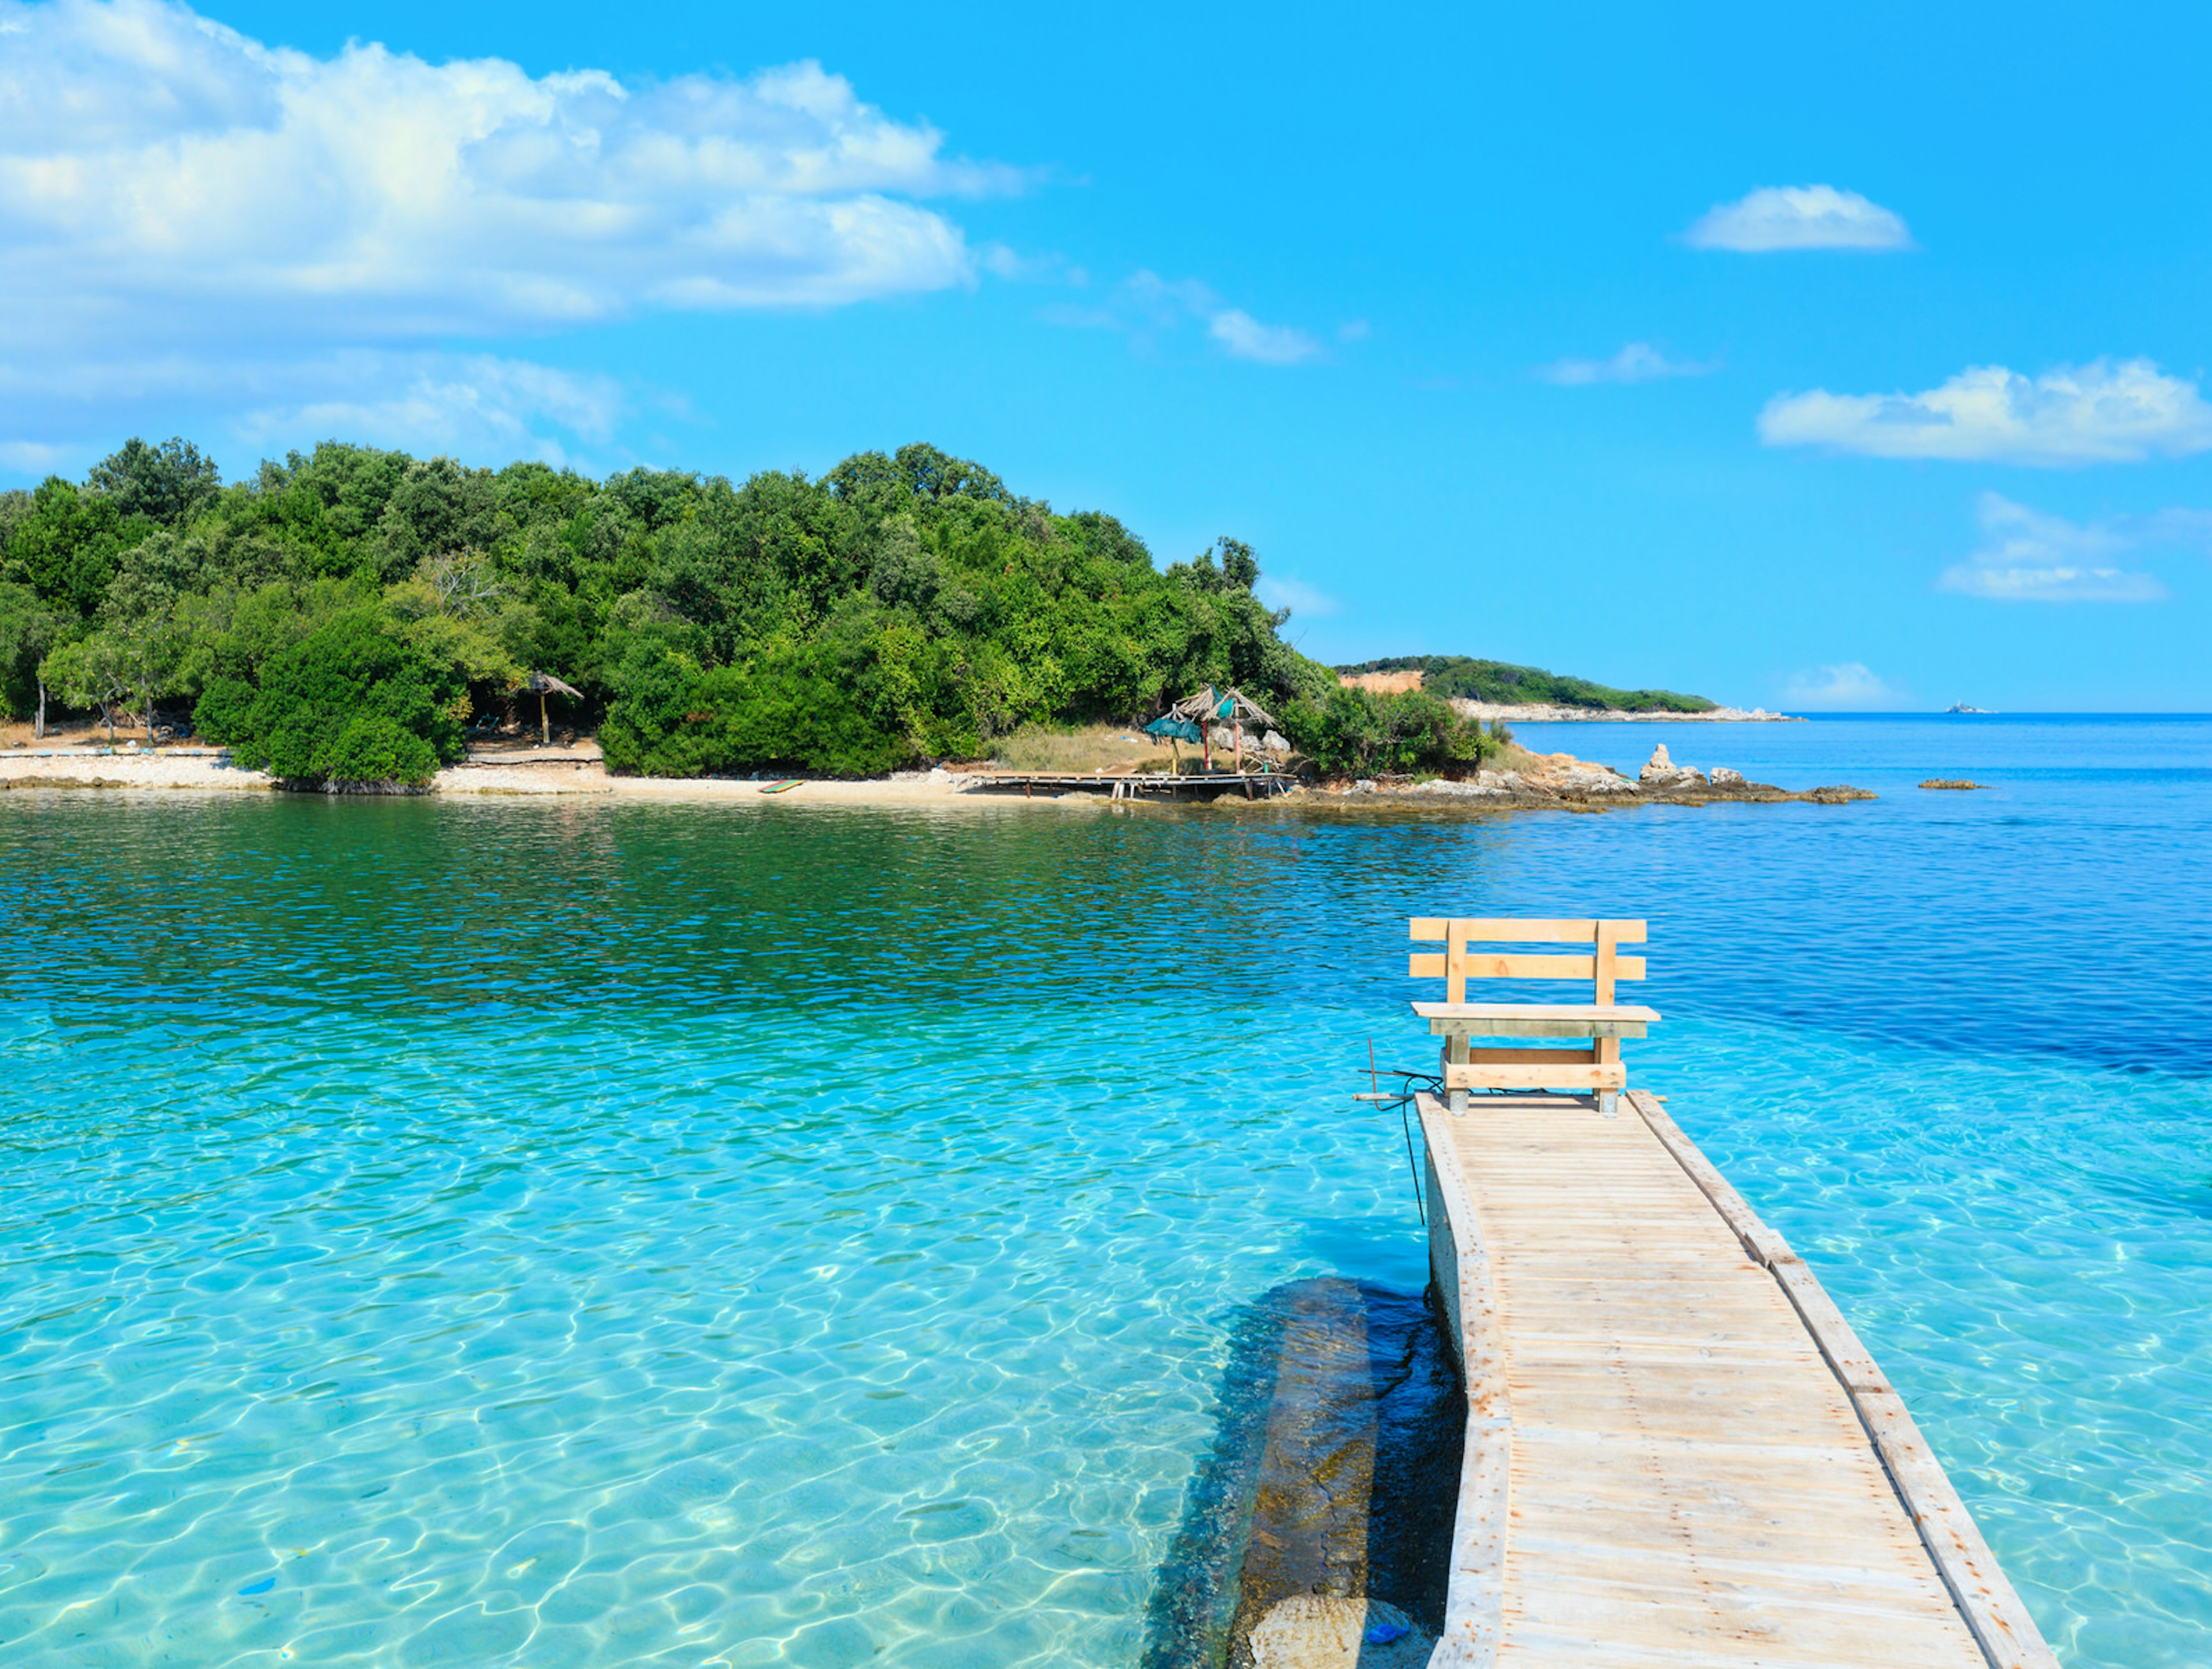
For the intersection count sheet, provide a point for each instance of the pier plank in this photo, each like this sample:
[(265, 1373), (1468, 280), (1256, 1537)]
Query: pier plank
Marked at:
[(1702, 1464)]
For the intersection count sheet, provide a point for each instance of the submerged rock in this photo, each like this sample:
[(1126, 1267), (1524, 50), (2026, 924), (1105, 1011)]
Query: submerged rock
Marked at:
[(1321, 1631), (1334, 1476)]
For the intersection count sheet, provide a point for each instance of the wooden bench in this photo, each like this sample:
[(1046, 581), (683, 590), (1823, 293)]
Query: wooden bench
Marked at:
[(1596, 1067)]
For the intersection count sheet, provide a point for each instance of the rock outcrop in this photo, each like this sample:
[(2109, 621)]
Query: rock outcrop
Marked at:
[(1661, 771)]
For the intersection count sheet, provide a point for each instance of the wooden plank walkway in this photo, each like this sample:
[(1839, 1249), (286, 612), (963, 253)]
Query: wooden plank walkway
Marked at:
[(1677, 1454)]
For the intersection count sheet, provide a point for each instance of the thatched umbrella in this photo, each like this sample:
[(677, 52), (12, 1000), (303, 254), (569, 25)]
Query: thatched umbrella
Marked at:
[(1209, 706), (543, 684)]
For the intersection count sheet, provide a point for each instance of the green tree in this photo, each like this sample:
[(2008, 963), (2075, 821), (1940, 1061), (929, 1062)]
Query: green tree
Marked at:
[(29, 630), (66, 547), (169, 484), (138, 614), (93, 671)]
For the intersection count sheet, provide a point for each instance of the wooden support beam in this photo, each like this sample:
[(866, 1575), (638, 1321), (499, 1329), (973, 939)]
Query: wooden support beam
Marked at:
[(1613, 1076)]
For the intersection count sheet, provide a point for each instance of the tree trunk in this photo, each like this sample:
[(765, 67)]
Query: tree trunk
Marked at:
[(108, 712), (149, 715), (39, 726), (545, 724)]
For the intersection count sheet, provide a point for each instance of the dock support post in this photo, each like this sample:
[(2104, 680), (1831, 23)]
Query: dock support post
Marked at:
[(1456, 1048)]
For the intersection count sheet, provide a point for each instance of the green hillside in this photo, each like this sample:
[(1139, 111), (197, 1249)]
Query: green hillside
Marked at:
[(1503, 683)]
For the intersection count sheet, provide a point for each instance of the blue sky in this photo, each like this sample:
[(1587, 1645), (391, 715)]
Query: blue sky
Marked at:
[(1809, 357)]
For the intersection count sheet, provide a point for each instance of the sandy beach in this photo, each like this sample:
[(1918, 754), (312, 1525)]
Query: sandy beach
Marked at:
[(1556, 781)]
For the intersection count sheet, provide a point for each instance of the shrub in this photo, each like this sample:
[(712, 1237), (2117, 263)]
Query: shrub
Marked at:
[(223, 710), (784, 711), (337, 706), (377, 749), (1352, 731)]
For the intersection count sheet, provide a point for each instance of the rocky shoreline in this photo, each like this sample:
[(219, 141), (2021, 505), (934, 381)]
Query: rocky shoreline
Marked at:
[(1539, 782), (1490, 712), (1560, 781)]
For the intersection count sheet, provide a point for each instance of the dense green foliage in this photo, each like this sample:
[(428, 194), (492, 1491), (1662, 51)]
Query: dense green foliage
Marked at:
[(1355, 732), (345, 616), (1504, 684), (351, 702), (355, 608)]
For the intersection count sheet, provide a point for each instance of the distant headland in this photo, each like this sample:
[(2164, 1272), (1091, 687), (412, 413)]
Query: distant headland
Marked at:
[(1489, 691)]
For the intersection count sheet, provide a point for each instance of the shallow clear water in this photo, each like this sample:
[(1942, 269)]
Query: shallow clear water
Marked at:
[(438, 1233)]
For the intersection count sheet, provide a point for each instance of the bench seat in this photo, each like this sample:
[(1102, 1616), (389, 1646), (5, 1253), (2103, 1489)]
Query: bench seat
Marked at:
[(1535, 1019)]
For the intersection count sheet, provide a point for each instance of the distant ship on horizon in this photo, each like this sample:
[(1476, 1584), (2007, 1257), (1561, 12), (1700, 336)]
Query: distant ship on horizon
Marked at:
[(1960, 706)]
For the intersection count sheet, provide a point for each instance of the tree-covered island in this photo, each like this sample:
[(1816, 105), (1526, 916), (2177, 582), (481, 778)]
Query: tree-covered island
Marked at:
[(346, 615)]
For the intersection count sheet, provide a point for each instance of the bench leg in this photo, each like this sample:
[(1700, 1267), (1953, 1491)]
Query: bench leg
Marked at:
[(1456, 1049), (1607, 1100)]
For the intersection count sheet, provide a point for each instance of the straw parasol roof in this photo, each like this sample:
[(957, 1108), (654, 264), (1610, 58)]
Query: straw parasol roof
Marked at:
[(1220, 707), (544, 683)]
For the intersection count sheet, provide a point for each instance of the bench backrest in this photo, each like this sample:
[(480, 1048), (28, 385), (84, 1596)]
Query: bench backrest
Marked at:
[(1457, 963)]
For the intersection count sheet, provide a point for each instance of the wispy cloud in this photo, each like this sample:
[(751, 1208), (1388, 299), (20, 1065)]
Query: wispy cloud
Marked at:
[(31, 457), (1308, 602), (2029, 556), (1784, 217), (480, 406), (1001, 262), (1849, 686), (1243, 337), (474, 406), (2099, 413), (1638, 361), (1146, 307)]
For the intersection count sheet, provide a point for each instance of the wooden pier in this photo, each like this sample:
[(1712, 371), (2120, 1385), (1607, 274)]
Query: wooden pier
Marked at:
[(1678, 1455)]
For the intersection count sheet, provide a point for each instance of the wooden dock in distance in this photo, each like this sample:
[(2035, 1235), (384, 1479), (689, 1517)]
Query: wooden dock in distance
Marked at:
[(1133, 785), (1678, 1455)]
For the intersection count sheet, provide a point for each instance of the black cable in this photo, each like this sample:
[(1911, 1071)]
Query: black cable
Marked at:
[(1412, 1164)]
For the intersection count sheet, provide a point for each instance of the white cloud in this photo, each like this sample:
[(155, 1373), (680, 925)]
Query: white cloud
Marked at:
[(2027, 556), (483, 408), (1308, 602), (1639, 362), (2099, 413), (1245, 338), (473, 405), (1777, 217), (1354, 329), (160, 170), (1001, 262), (31, 457), (1849, 687), (1146, 307)]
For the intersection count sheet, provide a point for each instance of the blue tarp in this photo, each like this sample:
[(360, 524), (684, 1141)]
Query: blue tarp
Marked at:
[(1167, 724)]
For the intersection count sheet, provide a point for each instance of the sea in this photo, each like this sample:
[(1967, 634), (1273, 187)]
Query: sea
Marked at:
[(581, 1231)]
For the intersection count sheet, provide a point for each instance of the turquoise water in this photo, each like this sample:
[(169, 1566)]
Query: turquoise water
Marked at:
[(509, 1232)]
